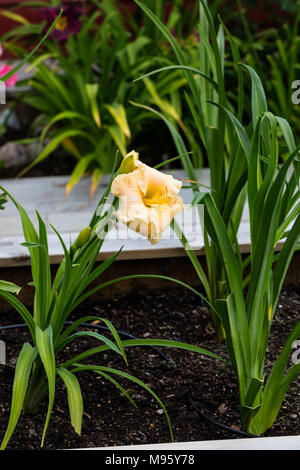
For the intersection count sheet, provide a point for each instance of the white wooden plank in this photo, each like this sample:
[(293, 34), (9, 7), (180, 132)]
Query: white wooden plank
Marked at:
[(70, 215), (260, 443)]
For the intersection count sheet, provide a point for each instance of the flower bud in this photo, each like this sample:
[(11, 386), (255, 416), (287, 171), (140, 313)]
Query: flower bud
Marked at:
[(128, 164), (83, 237)]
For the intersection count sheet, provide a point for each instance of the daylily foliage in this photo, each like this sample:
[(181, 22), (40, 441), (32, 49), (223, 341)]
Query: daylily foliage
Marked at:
[(244, 166)]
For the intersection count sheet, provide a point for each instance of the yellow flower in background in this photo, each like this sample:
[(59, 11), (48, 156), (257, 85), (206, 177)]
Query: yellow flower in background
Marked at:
[(149, 199)]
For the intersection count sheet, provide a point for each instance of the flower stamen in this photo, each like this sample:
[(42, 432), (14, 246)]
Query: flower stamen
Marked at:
[(62, 23)]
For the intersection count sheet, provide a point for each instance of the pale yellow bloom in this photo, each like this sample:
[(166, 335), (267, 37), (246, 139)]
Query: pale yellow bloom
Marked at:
[(148, 200)]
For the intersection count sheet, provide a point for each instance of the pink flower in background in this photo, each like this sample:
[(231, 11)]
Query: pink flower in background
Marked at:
[(4, 69)]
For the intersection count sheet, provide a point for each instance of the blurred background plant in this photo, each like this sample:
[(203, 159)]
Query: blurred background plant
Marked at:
[(81, 84), (275, 54), (80, 90)]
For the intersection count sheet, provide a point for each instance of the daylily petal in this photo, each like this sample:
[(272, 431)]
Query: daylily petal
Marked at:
[(126, 186)]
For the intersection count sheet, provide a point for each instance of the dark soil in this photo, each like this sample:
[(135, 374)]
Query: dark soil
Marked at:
[(109, 419)]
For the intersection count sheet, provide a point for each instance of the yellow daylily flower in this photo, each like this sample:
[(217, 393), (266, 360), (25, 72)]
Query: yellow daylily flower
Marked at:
[(149, 199)]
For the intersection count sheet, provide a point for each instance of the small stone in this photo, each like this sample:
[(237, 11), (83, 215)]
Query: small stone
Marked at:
[(222, 409), (160, 411), (14, 155), (236, 428), (232, 385)]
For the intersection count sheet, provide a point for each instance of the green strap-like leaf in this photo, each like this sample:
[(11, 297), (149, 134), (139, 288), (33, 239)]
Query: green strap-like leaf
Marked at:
[(125, 375), (118, 385), (137, 276), (117, 347), (193, 257), (74, 397), (43, 284), (258, 97), (118, 112), (69, 115), (21, 309), (9, 287), (54, 143), (79, 170), (276, 387), (145, 342), (93, 334), (30, 233), (22, 373), (236, 60), (84, 283), (179, 67), (92, 91), (44, 343), (119, 138), (14, 17)]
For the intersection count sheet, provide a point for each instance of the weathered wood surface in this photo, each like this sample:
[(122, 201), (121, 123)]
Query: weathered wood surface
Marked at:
[(70, 215)]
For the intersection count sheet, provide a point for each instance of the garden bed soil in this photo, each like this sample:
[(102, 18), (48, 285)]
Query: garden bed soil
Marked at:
[(109, 419)]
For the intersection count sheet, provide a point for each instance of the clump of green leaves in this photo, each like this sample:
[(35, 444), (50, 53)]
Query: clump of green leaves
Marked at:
[(245, 165), (39, 367), (227, 162), (247, 313), (274, 54)]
